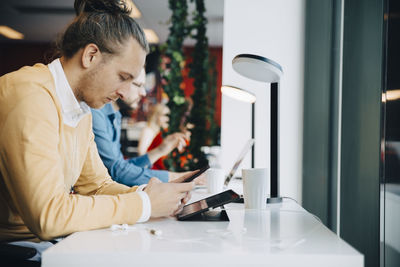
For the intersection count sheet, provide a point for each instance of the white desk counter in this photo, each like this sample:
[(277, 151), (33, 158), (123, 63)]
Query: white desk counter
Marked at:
[(281, 235)]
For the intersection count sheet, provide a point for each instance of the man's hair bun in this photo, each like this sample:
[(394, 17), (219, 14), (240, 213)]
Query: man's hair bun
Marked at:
[(101, 6), (105, 23)]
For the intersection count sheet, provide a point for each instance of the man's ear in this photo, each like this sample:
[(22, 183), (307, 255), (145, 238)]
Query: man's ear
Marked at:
[(91, 55)]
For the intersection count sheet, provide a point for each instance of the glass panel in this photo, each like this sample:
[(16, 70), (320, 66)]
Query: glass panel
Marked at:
[(392, 139)]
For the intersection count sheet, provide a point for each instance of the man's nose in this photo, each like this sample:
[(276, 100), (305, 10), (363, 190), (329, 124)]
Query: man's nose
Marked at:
[(142, 91), (123, 91)]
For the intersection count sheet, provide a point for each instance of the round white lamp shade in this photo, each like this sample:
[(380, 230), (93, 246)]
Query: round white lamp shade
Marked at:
[(257, 68), (238, 93)]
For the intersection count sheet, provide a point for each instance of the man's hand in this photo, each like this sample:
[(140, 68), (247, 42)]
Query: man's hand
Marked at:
[(167, 198), (180, 177), (184, 201)]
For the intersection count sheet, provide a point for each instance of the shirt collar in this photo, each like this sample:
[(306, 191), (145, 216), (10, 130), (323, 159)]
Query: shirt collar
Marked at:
[(108, 109), (72, 111), (113, 115)]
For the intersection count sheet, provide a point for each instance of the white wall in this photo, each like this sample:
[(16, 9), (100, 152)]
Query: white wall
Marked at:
[(273, 29)]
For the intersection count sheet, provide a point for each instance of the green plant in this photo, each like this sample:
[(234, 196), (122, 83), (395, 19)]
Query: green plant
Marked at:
[(171, 68), (199, 72), (205, 131)]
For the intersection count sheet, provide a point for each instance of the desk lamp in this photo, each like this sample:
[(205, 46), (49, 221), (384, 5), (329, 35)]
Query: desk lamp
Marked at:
[(245, 96), (262, 69)]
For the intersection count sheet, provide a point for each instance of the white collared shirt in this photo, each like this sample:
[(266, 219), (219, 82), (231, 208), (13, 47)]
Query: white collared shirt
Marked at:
[(73, 111)]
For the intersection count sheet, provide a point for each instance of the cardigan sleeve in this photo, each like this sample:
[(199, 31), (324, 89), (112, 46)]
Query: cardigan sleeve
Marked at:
[(33, 175)]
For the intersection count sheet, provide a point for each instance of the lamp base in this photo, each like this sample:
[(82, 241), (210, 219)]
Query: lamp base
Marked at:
[(272, 200)]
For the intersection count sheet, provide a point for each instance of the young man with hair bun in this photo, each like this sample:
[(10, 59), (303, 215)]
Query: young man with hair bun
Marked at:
[(52, 180)]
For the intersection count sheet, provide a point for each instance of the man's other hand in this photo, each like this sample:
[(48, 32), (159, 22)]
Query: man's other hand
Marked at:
[(180, 177)]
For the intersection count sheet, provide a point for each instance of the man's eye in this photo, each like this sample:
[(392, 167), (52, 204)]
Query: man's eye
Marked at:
[(122, 78), (135, 84)]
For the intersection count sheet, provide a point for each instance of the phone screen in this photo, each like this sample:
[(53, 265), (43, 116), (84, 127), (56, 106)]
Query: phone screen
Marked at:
[(210, 202), (197, 174)]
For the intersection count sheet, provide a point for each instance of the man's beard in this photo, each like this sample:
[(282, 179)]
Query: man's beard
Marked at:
[(125, 109), (86, 84)]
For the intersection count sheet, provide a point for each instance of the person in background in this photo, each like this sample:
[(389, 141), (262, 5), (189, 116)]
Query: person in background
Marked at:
[(107, 131), (52, 180), (157, 122), (151, 135)]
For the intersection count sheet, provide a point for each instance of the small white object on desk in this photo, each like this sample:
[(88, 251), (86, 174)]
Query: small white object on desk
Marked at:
[(124, 227)]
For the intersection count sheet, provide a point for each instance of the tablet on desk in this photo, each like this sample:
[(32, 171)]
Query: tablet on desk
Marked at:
[(204, 205)]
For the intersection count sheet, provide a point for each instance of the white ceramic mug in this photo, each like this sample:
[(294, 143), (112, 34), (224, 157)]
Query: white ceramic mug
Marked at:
[(255, 188), (215, 180)]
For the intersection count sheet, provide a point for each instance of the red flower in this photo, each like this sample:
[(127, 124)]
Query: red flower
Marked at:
[(183, 161)]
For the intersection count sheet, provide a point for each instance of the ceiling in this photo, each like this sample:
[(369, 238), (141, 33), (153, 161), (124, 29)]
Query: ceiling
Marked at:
[(42, 20)]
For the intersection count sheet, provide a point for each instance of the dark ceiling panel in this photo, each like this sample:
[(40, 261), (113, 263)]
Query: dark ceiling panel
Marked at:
[(35, 10)]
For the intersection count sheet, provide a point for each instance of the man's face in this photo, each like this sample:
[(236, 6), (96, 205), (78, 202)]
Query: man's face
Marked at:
[(111, 78), (137, 91)]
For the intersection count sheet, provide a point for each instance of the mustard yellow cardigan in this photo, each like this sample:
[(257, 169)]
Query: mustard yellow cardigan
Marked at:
[(41, 159)]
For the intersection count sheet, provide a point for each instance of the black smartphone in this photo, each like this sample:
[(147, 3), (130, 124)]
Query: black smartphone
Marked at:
[(197, 174), (209, 202)]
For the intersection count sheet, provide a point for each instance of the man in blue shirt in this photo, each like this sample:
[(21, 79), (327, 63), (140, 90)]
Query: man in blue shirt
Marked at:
[(107, 131)]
